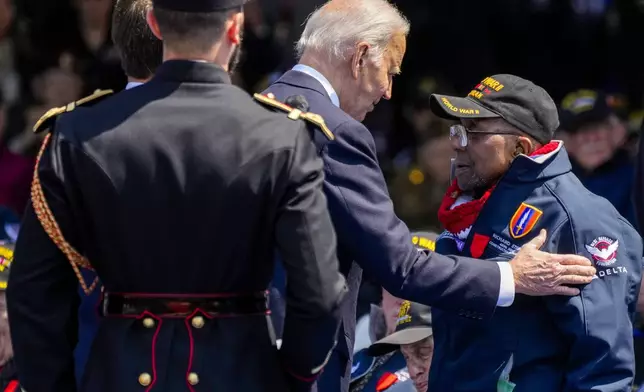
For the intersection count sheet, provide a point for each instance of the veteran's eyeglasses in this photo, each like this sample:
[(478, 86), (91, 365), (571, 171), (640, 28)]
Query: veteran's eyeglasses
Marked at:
[(461, 134)]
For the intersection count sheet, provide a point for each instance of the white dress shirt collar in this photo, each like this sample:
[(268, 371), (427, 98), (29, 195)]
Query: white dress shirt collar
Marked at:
[(312, 72), (132, 84)]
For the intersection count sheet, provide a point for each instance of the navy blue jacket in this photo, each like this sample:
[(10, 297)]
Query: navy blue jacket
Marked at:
[(371, 236), (554, 344)]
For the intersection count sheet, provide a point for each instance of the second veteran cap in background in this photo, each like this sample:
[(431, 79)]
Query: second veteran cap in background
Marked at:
[(414, 324)]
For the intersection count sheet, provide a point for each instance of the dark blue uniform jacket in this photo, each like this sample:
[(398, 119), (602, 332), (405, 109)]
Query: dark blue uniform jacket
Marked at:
[(557, 343)]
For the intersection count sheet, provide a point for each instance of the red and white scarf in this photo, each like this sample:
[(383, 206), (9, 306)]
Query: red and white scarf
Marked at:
[(459, 211)]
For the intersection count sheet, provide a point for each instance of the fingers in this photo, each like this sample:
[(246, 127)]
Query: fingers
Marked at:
[(580, 270), (539, 240), (563, 290), (572, 260), (574, 280)]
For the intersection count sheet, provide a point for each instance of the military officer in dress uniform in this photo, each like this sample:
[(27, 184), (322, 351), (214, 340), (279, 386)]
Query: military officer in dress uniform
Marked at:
[(177, 194)]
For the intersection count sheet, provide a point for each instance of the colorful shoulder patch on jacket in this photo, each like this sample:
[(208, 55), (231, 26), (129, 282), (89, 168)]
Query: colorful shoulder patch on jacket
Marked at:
[(295, 114), (48, 118)]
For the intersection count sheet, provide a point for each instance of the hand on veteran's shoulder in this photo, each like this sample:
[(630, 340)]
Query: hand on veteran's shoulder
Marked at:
[(538, 273)]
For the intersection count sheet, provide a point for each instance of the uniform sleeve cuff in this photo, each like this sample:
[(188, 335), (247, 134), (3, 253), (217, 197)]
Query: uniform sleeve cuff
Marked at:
[(506, 290)]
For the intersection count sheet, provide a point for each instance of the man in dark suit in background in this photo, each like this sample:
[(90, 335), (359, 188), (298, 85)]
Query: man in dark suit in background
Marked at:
[(350, 51)]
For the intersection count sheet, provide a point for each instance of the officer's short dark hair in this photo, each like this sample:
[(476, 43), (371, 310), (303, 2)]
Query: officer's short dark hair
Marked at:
[(141, 52), (191, 31)]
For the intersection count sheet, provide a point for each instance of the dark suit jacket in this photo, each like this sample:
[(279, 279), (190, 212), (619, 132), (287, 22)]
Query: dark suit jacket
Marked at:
[(184, 185), (370, 235)]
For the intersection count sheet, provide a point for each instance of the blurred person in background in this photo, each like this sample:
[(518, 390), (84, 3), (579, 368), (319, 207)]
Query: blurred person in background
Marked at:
[(595, 139), (89, 49), (416, 185), (381, 365), (9, 75), (344, 70), (8, 234), (141, 54), (15, 169), (372, 294), (512, 181), (382, 322), (412, 339)]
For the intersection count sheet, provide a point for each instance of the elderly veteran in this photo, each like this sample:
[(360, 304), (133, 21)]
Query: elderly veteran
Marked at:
[(512, 182)]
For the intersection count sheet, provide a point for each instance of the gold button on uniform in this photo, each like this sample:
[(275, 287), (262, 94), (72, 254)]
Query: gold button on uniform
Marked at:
[(193, 378), (145, 379), (198, 322), (148, 322)]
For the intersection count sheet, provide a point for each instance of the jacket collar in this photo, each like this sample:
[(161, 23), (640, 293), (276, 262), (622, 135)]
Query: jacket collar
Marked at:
[(302, 80), (191, 71), (540, 167)]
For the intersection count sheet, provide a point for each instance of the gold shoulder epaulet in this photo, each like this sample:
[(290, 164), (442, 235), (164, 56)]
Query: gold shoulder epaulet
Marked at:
[(46, 120), (39, 202), (295, 114)]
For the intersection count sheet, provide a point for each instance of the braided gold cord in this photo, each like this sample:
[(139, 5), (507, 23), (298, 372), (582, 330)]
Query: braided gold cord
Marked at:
[(48, 222)]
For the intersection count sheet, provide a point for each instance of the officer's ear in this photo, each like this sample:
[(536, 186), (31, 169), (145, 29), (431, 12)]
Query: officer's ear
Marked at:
[(235, 27), (153, 24), (359, 59)]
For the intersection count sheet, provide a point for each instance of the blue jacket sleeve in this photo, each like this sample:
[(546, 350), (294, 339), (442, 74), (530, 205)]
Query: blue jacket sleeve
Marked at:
[(598, 322), (370, 232)]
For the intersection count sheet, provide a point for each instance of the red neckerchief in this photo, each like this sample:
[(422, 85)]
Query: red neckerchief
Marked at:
[(463, 216)]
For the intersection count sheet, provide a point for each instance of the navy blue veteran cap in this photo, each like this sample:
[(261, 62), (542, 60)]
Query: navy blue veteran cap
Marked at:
[(584, 107), (198, 5), (414, 323), (518, 101)]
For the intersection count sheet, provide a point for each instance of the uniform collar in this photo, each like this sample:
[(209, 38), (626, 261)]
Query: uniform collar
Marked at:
[(192, 71), (539, 167)]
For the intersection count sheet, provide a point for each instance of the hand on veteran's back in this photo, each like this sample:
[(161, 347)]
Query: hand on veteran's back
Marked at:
[(538, 273)]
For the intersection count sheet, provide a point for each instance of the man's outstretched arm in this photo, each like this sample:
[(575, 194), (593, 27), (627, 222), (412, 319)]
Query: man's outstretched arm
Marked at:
[(367, 226)]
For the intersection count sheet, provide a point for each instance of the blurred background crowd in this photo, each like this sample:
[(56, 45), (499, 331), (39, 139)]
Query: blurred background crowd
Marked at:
[(585, 53)]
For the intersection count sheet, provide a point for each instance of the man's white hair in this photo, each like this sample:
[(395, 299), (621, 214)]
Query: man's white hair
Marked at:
[(336, 28)]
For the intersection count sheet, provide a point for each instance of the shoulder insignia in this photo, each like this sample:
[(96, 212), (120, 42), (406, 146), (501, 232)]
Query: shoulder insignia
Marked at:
[(295, 114), (46, 120), (41, 207)]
